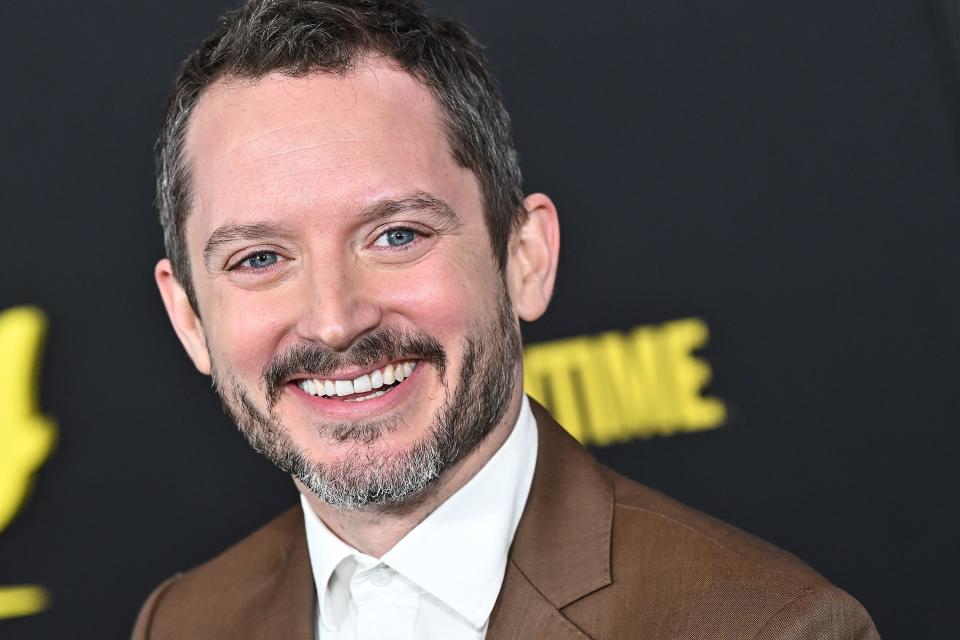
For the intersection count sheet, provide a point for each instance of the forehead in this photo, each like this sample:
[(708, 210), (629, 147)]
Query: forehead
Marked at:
[(315, 143)]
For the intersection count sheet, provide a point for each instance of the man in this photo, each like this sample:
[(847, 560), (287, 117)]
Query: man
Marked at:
[(349, 254)]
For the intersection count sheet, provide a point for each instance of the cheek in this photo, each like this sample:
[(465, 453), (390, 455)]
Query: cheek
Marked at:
[(444, 297), (246, 334)]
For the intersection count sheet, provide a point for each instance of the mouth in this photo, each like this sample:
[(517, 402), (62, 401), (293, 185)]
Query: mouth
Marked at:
[(368, 386)]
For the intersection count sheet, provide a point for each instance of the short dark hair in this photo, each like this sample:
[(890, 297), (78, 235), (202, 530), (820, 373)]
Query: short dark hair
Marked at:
[(299, 37)]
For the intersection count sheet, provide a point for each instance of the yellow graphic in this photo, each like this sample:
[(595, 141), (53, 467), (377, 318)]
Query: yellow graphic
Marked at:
[(26, 436), (619, 386), (22, 601)]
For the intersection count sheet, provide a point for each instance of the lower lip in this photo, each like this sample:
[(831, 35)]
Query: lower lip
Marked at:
[(361, 408)]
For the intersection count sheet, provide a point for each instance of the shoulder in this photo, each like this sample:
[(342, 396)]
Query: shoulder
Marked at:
[(715, 580), (213, 599), (620, 560), (646, 517)]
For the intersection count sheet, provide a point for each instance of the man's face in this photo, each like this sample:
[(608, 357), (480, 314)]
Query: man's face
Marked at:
[(353, 316)]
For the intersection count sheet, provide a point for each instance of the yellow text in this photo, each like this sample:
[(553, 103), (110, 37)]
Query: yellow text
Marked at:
[(26, 436), (617, 386), (22, 601)]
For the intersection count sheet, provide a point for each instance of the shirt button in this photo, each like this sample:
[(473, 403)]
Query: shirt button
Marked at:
[(380, 576)]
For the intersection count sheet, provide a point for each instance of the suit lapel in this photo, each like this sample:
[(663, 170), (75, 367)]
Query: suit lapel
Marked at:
[(561, 551), (522, 612), (285, 600)]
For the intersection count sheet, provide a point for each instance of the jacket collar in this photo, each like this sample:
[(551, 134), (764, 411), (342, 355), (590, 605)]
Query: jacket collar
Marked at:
[(561, 551), (459, 552), (284, 597)]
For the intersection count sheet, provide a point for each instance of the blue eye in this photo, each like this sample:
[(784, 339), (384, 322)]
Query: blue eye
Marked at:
[(396, 237), (260, 260)]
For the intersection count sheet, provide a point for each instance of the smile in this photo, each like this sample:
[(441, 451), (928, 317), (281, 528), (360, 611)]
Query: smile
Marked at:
[(379, 381)]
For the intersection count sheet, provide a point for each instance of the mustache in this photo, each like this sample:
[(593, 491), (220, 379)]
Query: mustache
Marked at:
[(380, 344)]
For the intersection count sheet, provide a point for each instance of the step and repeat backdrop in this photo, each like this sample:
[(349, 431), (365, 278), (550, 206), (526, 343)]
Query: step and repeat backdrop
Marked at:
[(756, 309)]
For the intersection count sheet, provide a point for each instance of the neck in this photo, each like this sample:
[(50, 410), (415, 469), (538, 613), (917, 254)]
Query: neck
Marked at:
[(376, 530)]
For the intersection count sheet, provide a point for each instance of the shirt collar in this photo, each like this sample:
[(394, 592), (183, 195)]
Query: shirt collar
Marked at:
[(458, 553), (327, 551)]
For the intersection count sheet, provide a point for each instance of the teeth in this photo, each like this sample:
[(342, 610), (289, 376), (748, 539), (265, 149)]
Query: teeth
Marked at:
[(362, 384), (376, 394), (390, 374)]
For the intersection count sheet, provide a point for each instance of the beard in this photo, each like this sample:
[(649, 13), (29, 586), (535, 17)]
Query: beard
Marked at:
[(366, 476)]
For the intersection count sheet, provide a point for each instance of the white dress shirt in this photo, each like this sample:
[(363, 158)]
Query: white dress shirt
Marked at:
[(441, 580)]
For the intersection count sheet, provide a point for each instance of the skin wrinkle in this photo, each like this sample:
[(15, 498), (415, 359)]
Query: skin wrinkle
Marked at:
[(357, 478), (261, 46), (220, 174), (338, 288), (232, 85), (252, 143), (312, 361), (377, 211), (307, 147), (419, 201), (228, 87), (366, 478), (230, 233)]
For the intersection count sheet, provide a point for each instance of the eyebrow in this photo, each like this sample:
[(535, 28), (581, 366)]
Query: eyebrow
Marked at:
[(235, 232), (417, 201), (377, 211)]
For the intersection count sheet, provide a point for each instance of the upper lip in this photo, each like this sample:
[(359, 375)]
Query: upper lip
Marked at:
[(348, 374)]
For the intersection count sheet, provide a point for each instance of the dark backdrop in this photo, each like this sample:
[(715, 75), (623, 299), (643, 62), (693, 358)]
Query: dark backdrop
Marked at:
[(787, 171)]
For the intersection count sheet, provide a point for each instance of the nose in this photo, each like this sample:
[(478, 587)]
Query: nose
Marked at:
[(340, 309)]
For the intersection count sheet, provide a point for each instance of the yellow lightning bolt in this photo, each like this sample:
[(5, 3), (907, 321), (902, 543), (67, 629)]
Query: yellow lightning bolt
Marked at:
[(26, 436)]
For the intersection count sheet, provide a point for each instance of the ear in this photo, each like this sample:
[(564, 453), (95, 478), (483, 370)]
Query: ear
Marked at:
[(182, 315), (532, 258)]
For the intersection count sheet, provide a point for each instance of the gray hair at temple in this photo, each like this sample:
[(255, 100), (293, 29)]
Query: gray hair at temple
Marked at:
[(299, 37)]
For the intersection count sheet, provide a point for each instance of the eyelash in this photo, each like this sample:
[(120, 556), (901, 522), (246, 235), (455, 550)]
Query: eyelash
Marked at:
[(421, 235), (238, 264)]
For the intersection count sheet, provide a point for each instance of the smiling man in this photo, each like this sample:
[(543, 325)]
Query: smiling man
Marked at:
[(349, 256)]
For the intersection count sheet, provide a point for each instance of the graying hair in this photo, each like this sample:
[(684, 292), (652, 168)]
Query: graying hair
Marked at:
[(470, 412)]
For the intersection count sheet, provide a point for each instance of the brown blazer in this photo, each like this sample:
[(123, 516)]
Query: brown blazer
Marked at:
[(595, 556)]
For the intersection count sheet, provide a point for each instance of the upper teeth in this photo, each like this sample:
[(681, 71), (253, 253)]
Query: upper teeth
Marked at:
[(367, 382)]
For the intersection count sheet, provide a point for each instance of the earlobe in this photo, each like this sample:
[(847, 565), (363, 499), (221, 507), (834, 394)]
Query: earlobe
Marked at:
[(532, 258), (182, 316)]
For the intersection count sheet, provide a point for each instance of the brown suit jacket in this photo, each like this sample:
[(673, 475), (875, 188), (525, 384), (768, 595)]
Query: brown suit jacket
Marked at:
[(595, 556)]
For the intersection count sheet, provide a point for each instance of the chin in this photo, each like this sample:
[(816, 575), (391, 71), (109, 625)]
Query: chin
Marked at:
[(355, 438)]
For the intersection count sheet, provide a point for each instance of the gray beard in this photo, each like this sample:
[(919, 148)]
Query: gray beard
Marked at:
[(366, 478)]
